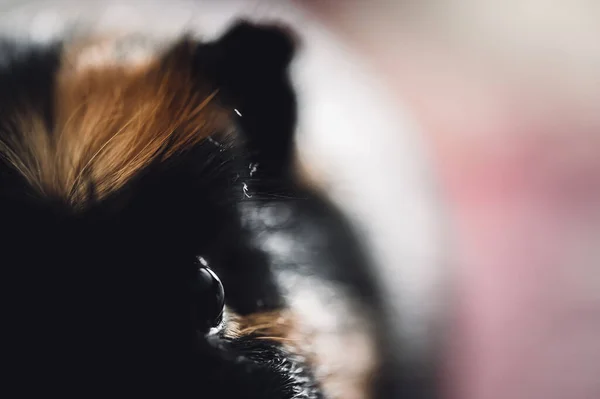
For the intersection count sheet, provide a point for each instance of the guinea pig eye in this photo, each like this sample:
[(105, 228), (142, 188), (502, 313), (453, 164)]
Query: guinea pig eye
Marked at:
[(208, 297)]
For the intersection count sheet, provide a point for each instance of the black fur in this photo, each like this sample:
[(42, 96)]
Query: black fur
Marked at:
[(250, 64), (94, 302), (26, 82)]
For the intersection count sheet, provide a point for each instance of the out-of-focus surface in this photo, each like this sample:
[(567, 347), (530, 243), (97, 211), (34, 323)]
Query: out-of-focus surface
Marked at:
[(509, 94)]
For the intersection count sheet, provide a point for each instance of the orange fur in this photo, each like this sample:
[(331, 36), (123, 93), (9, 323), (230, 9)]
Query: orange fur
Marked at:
[(276, 325), (111, 121)]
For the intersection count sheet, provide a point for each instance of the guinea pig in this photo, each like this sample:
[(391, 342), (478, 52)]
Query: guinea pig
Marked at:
[(157, 238)]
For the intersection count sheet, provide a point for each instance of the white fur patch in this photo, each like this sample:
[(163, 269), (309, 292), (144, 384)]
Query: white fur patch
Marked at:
[(335, 333), (130, 51)]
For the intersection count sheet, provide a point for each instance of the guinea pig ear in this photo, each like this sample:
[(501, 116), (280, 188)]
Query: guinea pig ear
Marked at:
[(249, 64)]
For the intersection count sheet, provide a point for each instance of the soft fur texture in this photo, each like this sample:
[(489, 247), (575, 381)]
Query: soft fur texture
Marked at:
[(115, 177)]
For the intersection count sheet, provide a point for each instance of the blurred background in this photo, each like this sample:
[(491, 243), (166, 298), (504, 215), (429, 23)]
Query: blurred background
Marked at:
[(463, 138), (507, 96)]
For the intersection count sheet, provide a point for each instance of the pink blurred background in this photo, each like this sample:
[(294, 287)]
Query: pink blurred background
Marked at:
[(508, 96)]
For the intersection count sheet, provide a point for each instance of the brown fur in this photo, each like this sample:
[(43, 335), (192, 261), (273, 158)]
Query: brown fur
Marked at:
[(275, 325), (110, 121), (321, 349)]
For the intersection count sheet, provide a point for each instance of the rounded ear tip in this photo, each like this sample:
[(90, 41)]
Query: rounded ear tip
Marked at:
[(272, 44)]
